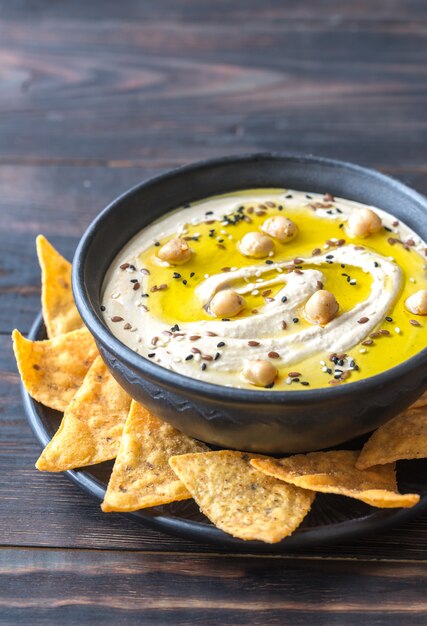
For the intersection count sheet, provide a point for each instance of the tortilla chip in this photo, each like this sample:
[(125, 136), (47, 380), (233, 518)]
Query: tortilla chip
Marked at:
[(141, 475), (92, 426), (54, 369), (335, 472), (404, 437), (422, 401), (59, 311), (239, 499)]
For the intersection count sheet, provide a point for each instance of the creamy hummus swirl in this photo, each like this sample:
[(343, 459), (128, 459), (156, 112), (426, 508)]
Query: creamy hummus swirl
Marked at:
[(275, 328)]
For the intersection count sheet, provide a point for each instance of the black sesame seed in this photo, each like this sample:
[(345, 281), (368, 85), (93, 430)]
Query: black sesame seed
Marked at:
[(343, 265), (308, 196), (341, 226), (280, 207), (329, 256), (189, 357), (305, 383), (269, 262), (192, 274), (216, 357), (329, 371), (337, 376), (284, 299), (175, 328), (341, 362), (329, 212), (184, 282), (338, 211), (389, 230), (176, 275), (221, 344), (157, 244), (102, 307), (389, 319), (145, 295), (225, 319), (209, 213), (203, 366), (150, 356), (376, 264), (356, 368), (289, 196), (133, 280), (295, 320)]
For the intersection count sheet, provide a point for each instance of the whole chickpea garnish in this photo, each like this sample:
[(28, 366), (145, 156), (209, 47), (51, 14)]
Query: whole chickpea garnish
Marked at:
[(226, 303), (280, 228), (260, 373), (321, 307), (363, 222), (256, 245), (176, 251), (417, 302)]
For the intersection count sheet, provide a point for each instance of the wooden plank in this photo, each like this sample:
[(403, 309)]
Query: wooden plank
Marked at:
[(236, 11), (158, 92), (66, 587)]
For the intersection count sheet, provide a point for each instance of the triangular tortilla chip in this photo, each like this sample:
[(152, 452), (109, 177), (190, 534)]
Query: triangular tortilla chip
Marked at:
[(335, 472), (239, 499), (59, 311), (422, 401), (54, 369), (141, 475), (404, 437), (92, 426)]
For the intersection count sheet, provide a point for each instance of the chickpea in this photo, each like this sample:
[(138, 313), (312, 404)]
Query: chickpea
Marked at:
[(280, 228), (417, 303), (176, 251), (363, 222), (256, 245), (226, 303), (259, 373), (321, 307)]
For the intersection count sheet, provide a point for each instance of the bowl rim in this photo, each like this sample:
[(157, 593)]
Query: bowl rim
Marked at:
[(195, 387)]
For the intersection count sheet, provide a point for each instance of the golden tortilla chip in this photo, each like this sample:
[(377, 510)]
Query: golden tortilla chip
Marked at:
[(422, 401), (335, 472), (141, 475), (239, 499), (54, 369), (59, 311), (404, 437), (92, 426)]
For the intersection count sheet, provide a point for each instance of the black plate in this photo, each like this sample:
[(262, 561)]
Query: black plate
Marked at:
[(332, 518)]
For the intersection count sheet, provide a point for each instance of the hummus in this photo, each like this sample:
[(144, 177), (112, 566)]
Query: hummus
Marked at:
[(161, 310)]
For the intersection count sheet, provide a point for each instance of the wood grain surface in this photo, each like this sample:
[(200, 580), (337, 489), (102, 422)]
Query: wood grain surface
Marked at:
[(97, 96)]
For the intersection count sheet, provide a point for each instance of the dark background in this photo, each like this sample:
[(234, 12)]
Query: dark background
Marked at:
[(98, 95)]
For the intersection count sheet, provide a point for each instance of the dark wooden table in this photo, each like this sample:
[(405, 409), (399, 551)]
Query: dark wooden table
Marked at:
[(98, 95)]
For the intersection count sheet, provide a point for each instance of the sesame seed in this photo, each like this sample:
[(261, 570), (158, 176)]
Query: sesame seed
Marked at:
[(151, 355), (363, 350), (283, 325), (203, 366), (414, 323), (221, 344), (253, 344), (102, 307), (117, 318), (273, 355), (295, 320), (388, 319), (189, 357), (363, 320), (284, 298)]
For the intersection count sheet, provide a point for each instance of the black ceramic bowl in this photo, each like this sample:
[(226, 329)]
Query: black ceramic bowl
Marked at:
[(246, 419)]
